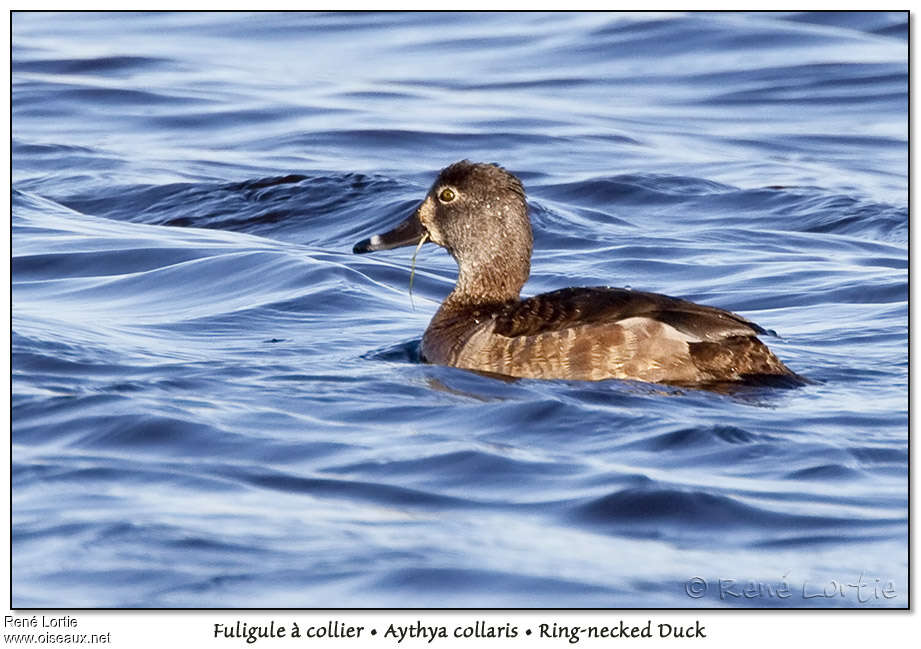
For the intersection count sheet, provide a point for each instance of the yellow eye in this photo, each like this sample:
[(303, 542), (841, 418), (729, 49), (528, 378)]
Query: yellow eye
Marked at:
[(446, 196)]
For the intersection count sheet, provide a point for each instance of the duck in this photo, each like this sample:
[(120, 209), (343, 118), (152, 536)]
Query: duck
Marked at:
[(478, 212)]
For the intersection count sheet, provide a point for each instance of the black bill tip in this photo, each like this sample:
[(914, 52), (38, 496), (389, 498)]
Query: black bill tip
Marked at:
[(362, 247), (407, 233)]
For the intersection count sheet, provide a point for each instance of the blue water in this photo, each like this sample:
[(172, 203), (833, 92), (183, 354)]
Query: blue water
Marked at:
[(215, 403)]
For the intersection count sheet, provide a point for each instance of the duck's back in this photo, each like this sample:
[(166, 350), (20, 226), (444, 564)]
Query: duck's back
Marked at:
[(601, 333)]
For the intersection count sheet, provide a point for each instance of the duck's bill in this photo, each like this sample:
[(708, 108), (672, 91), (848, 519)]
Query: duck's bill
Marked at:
[(407, 233)]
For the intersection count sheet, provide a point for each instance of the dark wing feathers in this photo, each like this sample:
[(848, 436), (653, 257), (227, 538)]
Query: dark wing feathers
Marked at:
[(579, 306)]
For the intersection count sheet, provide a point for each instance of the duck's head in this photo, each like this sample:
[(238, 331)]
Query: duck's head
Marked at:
[(478, 213)]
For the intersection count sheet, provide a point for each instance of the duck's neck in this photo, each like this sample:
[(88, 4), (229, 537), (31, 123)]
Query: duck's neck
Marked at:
[(493, 281)]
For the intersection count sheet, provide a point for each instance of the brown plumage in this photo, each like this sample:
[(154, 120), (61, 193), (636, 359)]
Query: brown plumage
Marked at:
[(479, 214)]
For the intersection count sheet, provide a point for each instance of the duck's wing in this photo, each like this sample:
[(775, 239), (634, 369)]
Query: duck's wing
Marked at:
[(570, 307)]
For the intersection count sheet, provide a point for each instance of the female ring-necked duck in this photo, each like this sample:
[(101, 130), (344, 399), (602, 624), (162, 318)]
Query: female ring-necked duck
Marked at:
[(479, 214)]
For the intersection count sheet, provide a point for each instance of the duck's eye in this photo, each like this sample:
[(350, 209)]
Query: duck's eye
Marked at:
[(446, 196)]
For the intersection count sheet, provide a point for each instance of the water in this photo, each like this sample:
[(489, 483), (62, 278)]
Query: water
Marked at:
[(216, 404)]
